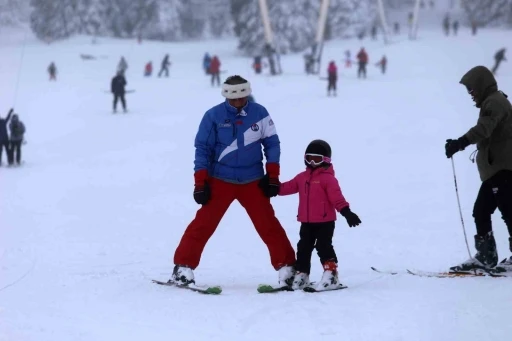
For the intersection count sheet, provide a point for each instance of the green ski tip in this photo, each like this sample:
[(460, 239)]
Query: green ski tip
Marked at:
[(214, 290), (262, 288)]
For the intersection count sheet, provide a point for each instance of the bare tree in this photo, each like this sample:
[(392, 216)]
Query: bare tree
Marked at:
[(485, 12)]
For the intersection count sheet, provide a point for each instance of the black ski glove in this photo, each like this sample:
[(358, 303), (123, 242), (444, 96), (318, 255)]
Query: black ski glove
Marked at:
[(453, 146), (352, 218), (269, 186), (202, 193)]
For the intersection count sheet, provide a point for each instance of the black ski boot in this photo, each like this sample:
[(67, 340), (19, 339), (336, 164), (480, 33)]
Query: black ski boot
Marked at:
[(485, 258), (506, 264)]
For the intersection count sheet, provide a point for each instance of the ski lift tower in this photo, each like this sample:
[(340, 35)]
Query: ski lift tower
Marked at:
[(270, 50), (318, 45)]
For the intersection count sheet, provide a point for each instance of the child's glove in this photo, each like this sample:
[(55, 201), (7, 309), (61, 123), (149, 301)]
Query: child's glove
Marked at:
[(352, 218)]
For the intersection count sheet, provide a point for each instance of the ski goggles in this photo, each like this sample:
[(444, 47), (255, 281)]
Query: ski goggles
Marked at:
[(316, 159)]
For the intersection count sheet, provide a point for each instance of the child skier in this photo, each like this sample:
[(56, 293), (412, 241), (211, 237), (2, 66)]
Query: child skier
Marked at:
[(148, 69), (332, 77), (52, 71), (320, 197), (382, 64)]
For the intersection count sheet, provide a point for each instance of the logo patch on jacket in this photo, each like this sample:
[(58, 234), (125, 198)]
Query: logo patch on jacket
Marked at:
[(255, 127), (224, 125)]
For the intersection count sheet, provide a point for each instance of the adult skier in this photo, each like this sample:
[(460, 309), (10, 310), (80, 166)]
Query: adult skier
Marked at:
[(17, 129), (493, 137), (165, 66), (215, 70), (117, 87), (362, 58), (498, 58), (52, 71), (332, 78), (446, 24), (228, 167), (455, 27), (207, 59), (4, 138)]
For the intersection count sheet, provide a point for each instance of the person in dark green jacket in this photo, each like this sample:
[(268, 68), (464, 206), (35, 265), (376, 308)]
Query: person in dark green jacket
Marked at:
[(493, 138)]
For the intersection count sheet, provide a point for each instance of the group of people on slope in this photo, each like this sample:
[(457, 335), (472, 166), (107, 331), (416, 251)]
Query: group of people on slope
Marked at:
[(11, 141)]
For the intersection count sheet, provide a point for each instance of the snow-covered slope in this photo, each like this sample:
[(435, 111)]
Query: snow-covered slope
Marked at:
[(102, 200)]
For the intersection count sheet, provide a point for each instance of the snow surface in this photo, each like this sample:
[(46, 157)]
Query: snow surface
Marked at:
[(102, 200)]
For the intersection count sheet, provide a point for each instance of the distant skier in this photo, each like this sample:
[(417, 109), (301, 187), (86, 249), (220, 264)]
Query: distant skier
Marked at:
[(493, 138), (4, 138), (165, 66), (207, 59), (348, 59), (474, 28), (498, 58), (148, 69), (362, 58), (332, 78), (309, 63), (383, 62), (122, 66), (118, 90), (215, 70), (446, 24), (17, 129), (396, 28), (455, 27), (257, 65), (373, 32), (226, 171), (320, 198), (52, 71), (270, 52)]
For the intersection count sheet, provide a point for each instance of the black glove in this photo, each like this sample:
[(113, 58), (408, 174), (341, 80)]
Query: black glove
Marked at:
[(453, 146), (352, 218), (202, 193), (269, 186)]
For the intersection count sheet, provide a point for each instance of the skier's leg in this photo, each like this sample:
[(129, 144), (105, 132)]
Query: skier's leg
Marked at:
[(1, 151), (485, 205), (305, 248), (116, 98), (208, 217), (324, 247), (18, 152), (123, 101), (502, 189), (213, 78), (262, 215)]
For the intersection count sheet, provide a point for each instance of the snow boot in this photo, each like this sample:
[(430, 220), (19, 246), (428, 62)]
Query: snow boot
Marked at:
[(300, 281), (329, 279), (485, 258), (182, 275), (286, 275), (506, 264)]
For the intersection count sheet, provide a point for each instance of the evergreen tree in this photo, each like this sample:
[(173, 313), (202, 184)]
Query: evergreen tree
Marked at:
[(249, 27), (191, 17), (54, 19), (349, 17)]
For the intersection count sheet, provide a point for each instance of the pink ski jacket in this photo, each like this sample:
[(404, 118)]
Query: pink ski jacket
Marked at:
[(319, 195)]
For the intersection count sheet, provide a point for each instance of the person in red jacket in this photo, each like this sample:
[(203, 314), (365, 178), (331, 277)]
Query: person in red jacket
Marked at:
[(215, 70), (148, 69), (362, 58), (320, 197), (332, 77), (382, 63)]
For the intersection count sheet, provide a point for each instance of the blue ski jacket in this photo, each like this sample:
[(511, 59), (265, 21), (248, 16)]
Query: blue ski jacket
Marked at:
[(229, 143)]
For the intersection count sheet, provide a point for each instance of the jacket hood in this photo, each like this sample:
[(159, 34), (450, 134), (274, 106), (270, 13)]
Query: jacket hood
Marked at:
[(481, 80)]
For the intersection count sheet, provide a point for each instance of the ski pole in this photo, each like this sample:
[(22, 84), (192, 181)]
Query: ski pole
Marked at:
[(20, 69), (460, 209)]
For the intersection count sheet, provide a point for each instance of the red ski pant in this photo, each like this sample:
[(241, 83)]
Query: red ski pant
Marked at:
[(208, 217)]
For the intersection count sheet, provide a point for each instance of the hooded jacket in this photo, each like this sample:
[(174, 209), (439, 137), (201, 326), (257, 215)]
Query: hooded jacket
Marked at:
[(320, 194), (493, 132), (17, 129)]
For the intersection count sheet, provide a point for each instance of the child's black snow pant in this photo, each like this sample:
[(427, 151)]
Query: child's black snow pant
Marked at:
[(332, 84), (16, 151), (117, 97), (5, 144), (315, 235), (494, 193)]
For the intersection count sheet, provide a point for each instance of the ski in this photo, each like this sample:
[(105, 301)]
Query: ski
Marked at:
[(312, 289), (267, 289), (444, 274), (215, 290), (384, 271)]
